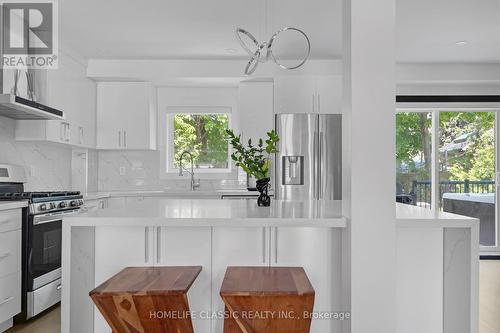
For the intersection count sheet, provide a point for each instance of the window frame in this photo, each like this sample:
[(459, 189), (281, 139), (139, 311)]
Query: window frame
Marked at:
[(435, 173), (167, 146)]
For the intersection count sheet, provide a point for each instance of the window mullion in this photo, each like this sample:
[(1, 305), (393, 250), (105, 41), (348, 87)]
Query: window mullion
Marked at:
[(435, 188)]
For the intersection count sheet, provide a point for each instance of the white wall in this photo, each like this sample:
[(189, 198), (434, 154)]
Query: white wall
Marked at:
[(52, 164), (144, 169)]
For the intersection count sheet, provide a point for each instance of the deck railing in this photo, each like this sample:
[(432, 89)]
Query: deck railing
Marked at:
[(421, 189)]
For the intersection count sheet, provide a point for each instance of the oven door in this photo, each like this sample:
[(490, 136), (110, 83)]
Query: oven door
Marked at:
[(44, 248)]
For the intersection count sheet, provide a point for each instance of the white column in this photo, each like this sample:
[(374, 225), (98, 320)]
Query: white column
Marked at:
[(369, 162)]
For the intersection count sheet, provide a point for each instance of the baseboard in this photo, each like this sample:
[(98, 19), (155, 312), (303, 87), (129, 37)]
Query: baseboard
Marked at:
[(6, 325)]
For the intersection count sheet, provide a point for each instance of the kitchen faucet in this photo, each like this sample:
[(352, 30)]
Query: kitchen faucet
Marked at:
[(194, 183)]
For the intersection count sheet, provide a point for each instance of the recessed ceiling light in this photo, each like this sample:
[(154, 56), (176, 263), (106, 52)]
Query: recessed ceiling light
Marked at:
[(461, 42), (230, 50)]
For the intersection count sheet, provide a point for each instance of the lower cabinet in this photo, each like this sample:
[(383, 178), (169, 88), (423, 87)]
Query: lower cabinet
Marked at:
[(318, 250), (235, 246), (190, 246), (10, 266), (115, 249)]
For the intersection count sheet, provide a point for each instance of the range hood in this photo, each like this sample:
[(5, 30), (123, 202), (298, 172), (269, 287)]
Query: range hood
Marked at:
[(19, 108)]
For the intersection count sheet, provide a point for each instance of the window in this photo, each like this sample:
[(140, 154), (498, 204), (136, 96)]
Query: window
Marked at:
[(447, 161), (413, 158), (203, 134)]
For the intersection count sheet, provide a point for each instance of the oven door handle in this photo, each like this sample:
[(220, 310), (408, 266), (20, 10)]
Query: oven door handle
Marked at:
[(41, 219)]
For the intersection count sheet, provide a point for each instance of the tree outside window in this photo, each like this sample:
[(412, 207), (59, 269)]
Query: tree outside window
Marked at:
[(204, 136)]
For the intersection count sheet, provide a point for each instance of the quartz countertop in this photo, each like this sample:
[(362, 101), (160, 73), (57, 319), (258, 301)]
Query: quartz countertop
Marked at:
[(180, 193), (4, 205), (413, 216), (216, 212)]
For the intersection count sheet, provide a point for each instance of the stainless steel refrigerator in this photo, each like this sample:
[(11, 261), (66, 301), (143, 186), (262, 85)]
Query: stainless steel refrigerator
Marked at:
[(309, 161)]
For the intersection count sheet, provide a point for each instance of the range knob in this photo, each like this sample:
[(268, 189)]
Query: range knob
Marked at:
[(52, 205), (43, 207), (62, 205), (73, 203)]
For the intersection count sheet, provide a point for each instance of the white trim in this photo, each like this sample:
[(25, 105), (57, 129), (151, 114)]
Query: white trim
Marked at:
[(435, 162)]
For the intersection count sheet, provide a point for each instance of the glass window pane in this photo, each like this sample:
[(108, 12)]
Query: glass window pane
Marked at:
[(467, 168), (413, 158), (204, 136)]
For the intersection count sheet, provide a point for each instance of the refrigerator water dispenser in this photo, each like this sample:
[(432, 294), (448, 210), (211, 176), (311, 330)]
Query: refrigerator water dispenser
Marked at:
[(293, 170)]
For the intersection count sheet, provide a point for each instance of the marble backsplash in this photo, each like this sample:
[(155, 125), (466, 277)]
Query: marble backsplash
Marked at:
[(140, 170), (48, 167)]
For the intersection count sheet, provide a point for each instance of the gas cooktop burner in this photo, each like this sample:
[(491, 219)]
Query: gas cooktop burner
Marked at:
[(38, 195)]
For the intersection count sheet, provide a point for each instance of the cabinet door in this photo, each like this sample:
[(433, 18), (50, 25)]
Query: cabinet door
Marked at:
[(318, 251), (115, 249), (295, 94), (126, 116), (190, 246), (235, 246), (110, 104), (255, 107), (329, 94)]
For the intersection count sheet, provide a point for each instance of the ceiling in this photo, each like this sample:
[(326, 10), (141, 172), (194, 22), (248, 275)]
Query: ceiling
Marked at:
[(426, 30), (196, 29)]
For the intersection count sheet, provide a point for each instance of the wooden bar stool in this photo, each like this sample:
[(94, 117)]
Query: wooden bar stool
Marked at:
[(147, 299), (267, 299)]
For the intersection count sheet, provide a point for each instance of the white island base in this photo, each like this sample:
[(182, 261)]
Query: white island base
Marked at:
[(216, 234)]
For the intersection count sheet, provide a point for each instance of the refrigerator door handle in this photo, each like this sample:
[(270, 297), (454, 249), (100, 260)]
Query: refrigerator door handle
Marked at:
[(320, 169), (315, 165)]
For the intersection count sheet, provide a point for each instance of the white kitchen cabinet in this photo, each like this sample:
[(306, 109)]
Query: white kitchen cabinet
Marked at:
[(115, 249), (126, 116), (68, 89), (93, 205), (235, 246), (318, 251), (255, 105), (190, 247), (10, 266), (329, 94), (308, 94)]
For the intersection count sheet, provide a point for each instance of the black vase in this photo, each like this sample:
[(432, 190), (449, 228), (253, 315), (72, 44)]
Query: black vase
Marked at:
[(264, 199)]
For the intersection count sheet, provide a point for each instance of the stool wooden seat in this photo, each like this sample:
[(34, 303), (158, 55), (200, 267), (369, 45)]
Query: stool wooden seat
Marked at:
[(147, 299), (267, 299)]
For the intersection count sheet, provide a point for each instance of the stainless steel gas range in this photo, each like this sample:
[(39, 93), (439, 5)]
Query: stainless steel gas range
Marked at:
[(41, 240)]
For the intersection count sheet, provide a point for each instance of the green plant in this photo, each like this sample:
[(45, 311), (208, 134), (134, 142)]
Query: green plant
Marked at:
[(255, 160)]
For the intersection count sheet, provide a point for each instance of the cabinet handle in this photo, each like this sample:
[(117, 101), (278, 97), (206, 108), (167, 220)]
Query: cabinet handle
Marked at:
[(276, 245), (263, 245), (80, 132), (7, 300), (68, 133), (119, 138), (59, 287), (125, 139), (158, 244), (4, 256), (4, 221), (62, 131), (146, 241)]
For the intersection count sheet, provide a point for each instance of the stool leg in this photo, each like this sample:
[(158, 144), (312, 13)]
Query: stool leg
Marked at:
[(230, 325)]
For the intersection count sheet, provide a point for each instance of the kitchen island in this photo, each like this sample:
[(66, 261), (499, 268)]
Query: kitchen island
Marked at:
[(436, 257), (213, 234)]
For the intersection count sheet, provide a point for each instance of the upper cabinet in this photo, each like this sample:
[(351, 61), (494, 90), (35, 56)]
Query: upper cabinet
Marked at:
[(68, 89), (308, 94), (126, 115), (255, 106)]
